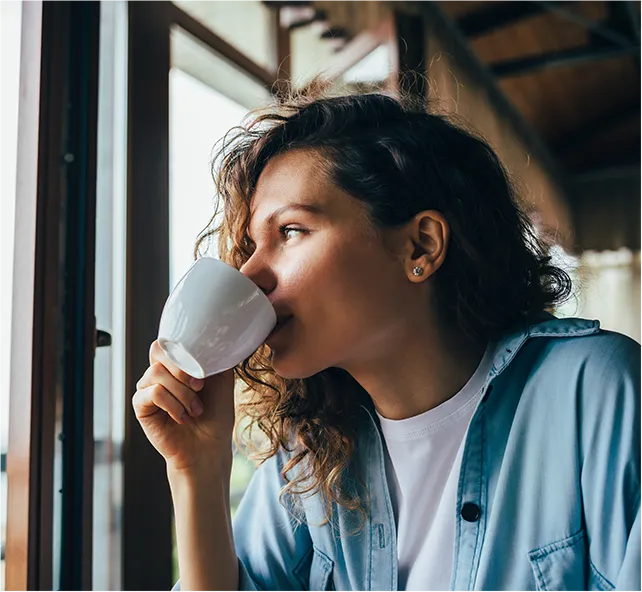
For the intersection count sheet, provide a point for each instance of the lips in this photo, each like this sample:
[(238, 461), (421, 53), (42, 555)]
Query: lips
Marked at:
[(281, 321)]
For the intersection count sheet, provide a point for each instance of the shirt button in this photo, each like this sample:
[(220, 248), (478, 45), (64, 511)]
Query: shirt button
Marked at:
[(470, 512)]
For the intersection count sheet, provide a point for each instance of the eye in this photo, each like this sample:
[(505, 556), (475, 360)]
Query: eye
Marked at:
[(249, 244), (285, 230)]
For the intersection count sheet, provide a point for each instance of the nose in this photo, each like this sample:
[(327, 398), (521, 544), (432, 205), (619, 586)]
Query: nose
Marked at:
[(260, 273)]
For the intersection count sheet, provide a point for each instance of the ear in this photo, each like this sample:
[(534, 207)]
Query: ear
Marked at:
[(425, 244)]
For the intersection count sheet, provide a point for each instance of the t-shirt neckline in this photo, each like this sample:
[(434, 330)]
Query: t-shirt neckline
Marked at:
[(449, 412)]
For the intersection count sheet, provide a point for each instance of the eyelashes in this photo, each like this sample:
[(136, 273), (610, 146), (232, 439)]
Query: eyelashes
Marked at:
[(285, 228), (249, 246)]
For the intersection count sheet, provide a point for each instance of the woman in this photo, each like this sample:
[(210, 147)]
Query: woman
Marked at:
[(429, 424)]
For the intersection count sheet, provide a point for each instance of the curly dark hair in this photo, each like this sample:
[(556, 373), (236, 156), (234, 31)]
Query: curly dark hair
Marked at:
[(398, 160)]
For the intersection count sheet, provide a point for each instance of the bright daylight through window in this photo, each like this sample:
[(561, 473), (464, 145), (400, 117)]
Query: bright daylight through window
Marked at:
[(10, 13)]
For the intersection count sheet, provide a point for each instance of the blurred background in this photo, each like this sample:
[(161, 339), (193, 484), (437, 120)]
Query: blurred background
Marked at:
[(110, 111)]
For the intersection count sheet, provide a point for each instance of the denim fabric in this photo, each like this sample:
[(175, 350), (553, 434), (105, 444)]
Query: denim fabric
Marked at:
[(549, 487)]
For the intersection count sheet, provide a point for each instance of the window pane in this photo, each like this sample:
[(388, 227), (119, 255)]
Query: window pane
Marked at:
[(207, 98), (202, 64), (109, 380), (370, 74), (311, 55), (611, 290), (374, 68), (248, 26), (10, 23)]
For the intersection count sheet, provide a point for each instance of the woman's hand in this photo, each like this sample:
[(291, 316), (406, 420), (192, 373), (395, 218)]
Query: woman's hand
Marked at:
[(189, 421)]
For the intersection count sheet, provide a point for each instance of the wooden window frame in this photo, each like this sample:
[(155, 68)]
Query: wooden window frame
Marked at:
[(53, 323), (44, 381), (147, 528)]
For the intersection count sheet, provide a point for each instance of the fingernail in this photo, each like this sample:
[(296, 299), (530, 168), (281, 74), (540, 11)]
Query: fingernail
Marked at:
[(196, 384), (196, 407)]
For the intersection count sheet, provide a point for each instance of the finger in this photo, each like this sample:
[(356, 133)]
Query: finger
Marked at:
[(156, 354), (155, 398), (157, 373)]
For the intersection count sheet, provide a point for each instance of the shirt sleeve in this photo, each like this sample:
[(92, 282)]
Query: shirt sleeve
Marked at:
[(272, 542), (610, 453), (272, 545), (629, 576)]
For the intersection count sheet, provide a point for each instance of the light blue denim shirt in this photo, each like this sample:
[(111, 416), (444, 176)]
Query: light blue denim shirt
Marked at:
[(549, 486)]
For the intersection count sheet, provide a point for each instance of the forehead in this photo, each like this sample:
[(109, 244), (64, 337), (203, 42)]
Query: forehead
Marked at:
[(302, 177), (296, 175)]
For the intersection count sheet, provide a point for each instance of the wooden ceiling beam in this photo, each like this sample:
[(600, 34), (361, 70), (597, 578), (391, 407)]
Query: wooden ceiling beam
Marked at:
[(597, 29), (569, 57), (291, 20), (281, 4), (596, 127), (625, 19), (499, 15)]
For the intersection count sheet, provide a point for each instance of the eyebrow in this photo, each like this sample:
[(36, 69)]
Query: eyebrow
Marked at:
[(310, 208)]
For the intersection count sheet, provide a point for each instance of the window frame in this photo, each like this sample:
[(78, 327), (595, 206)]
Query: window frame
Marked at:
[(53, 352), (53, 273)]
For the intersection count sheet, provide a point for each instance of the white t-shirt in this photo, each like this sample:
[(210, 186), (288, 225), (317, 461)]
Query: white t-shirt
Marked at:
[(422, 466)]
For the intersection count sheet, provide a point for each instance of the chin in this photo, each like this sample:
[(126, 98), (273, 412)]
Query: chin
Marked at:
[(291, 368)]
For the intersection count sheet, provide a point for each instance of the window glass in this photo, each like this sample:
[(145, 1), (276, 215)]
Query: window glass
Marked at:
[(249, 26), (10, 28), (312, 55), (109, 362), (375, 67), (207, 98), (611, 281), (203, 64)]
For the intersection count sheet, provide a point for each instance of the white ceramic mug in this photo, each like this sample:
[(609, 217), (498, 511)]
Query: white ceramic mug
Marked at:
[(214, 318)]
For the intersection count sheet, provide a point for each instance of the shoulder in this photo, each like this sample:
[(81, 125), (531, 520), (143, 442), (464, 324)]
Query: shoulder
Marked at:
[(600, 346), (594, 361), (603, 361), (588, 386), (601, 374), (583, 376)]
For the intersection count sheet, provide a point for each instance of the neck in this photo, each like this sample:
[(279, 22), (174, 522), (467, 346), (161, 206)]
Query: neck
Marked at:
[(420, 368)]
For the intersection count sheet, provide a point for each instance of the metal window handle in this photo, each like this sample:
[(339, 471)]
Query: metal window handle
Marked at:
[(103, 338)]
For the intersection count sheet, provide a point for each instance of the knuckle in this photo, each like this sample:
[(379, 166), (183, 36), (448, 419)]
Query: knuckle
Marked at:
[(155, 351), (157, 391), (139, 398), (157, 370)]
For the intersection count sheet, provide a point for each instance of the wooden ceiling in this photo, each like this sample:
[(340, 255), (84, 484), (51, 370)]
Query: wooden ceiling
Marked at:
[(571, 68)]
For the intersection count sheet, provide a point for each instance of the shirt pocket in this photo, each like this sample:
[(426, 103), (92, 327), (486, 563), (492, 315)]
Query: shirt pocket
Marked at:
[(319, 577), (562, 565), (321, 571)]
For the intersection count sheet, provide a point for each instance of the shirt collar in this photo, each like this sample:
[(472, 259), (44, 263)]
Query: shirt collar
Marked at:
[(546, 325)]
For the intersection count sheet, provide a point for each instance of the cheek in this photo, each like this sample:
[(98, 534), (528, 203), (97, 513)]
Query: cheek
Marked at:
[(347, 288), (342, 299), (331, 271)]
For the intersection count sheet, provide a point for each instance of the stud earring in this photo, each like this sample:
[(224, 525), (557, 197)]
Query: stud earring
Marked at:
[(418, 271)]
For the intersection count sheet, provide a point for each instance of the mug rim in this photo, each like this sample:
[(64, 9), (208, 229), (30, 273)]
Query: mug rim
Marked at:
[(217, 260)]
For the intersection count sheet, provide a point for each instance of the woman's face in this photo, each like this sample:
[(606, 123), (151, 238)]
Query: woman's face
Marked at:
[(324, 269)]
